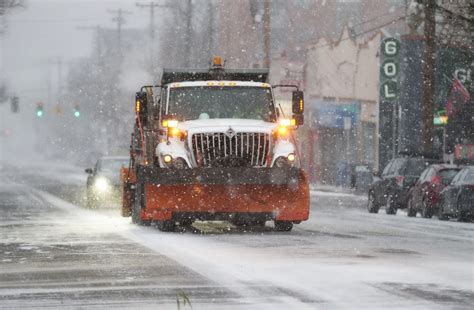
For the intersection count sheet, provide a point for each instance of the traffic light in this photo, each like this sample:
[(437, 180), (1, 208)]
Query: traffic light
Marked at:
[(14, 104), (39, 110), (77, 112)]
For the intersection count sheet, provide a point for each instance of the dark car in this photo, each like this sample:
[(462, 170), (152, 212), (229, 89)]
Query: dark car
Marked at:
[(425, 195), (457, 199), (391, 188), (103, 182)]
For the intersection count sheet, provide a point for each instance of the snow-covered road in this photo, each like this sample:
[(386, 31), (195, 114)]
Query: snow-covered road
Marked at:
[(55, 253)]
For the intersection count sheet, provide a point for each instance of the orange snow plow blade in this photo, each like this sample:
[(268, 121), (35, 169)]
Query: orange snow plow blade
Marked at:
[(281, 195)]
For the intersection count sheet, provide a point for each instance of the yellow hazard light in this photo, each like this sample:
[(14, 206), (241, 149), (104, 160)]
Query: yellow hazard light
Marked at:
[(217, 61), (167, 158), (286, 122), (282, 131), (210, 84), (221, 83), (232, 84), (170, 123), (175, 132), (301, 104), (137, 106)]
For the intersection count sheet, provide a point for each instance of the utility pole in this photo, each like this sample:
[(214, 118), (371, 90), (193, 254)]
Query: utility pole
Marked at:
[(120, 20), (152, 5), (266, 33), (428, 86)]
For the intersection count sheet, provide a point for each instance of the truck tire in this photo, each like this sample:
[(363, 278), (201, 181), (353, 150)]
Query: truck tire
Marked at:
[(372, 206), (137, 207), (165, 226), (283, 226)]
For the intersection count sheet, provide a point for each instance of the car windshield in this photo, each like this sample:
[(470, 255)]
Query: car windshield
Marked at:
[(415, 167), (469, 177), (112, 164), (447, 175), (190, 103)]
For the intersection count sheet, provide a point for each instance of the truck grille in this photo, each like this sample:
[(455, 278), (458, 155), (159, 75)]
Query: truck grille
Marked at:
[(242, 149)]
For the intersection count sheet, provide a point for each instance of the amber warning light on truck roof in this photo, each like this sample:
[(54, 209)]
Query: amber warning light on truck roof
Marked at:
[(217, 61)]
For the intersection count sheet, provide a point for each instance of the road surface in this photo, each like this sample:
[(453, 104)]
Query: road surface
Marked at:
[(55, 253)]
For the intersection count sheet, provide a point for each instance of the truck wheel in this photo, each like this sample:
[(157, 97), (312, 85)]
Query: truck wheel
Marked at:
[(371, 205), (426, 211), (283, 225), (137, 207), (165, 226), (390, 207), (186, 222)]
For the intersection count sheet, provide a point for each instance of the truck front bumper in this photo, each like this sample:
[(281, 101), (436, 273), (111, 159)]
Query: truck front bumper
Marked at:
[(282, 193)]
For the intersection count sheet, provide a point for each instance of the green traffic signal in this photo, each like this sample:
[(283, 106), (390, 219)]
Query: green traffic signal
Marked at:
[(77, 112), (39, 110)]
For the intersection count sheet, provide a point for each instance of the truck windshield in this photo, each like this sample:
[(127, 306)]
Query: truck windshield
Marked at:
[(201, 102)]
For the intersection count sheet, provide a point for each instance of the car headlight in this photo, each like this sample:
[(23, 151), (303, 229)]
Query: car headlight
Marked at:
[(101, 184)]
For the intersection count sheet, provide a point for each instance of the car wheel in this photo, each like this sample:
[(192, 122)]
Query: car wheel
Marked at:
[(441, 215), (411, 212), (390, 207), (371, 205), (283, 225), (426, 211), (91, 202)]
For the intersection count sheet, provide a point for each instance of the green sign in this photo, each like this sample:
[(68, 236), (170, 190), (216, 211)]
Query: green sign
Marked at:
[(389, 69)]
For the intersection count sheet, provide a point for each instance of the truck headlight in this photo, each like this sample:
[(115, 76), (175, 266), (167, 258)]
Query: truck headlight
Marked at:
[(101, 184)]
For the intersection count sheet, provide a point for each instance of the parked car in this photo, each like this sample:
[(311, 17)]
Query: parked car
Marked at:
[(457, 199), (425, 195), (103, 182), (390, 189)]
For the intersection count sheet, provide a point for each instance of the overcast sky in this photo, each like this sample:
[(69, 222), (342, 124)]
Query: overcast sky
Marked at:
[(47, 29)]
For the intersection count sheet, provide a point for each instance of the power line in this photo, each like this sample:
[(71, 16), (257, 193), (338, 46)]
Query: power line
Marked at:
[(120, 20), (360, 33), (152, 5)]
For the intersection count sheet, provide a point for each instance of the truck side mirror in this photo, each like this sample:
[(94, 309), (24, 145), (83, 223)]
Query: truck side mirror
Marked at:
[(298, 107), (141, 106)]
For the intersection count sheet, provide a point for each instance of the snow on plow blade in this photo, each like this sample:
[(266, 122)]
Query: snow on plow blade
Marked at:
[(282, 194)]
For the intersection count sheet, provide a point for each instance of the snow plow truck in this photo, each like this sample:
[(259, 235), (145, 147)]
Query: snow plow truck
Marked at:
[(212, 144)]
